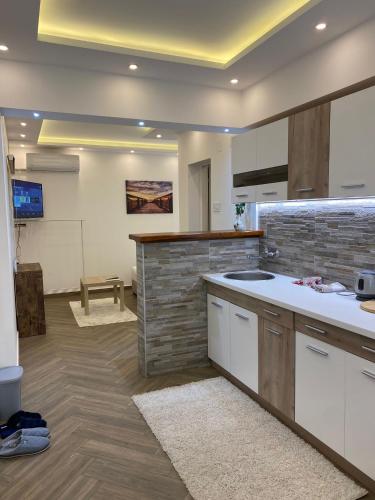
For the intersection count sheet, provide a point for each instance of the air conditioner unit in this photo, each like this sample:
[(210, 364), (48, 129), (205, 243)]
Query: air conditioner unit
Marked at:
[(52, 162)]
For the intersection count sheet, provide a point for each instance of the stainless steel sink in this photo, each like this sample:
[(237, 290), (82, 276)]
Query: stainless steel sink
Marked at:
[(249, 276)]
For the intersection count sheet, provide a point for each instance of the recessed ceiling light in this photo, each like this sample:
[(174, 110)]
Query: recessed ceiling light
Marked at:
[(159, 136), (133, 67), (4, 48), (23, 124), (226, 130), (141, 124), (234, 81), (321, 26), (36, 115), (22, 145), (81, 149), (132, 151), (23, 136)]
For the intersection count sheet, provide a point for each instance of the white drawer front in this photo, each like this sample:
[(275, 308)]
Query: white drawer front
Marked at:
[(272, 192), (320, 390)]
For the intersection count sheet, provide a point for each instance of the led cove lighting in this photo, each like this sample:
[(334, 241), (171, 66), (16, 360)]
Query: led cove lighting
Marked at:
[(321, 26), (141, 124), (133, 67), (23, 124), (3, 48), (234, 81), (36, 115)]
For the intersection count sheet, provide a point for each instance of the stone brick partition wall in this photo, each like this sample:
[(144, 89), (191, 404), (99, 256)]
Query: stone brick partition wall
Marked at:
[(172, 306), (330, 238)]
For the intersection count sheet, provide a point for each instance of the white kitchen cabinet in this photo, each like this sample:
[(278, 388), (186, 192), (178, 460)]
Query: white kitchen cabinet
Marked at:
[(244, 155), (320, 390), (272, 144), (352, 145), (218, 330), (360, 414), (271, 192), (243, 194), (243, 361)]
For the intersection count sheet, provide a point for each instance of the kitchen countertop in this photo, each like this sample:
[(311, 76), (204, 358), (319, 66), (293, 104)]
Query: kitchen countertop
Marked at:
[(194, 236), (338, 310)]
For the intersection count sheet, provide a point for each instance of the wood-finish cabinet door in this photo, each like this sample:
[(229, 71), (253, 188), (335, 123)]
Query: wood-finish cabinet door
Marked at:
[(276, 366), (308, 155)]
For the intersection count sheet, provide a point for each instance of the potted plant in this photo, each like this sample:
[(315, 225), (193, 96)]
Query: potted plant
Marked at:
[(240, 210)]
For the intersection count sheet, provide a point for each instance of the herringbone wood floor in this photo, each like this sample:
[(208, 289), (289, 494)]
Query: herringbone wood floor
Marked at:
[(81, 380)]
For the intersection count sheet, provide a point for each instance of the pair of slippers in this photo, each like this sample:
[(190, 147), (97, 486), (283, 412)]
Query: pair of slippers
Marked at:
[(25, 442), (22, 420)]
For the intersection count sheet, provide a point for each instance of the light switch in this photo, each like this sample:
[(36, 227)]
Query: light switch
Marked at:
[(216, 206)]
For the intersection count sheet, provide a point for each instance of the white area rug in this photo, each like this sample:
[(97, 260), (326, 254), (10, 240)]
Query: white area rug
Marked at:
[(226, 447), (102, 312)]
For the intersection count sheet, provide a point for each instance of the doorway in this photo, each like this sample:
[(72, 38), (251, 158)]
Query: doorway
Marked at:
[(199, 192)]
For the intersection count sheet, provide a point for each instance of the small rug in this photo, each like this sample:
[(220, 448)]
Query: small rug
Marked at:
[(102, 312), (226, 447)]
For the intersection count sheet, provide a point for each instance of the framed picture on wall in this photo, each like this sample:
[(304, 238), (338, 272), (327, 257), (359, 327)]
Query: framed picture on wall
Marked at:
[(149, 197)]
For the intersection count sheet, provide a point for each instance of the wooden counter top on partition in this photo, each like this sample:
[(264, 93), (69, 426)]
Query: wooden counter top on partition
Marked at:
[(194, 236)]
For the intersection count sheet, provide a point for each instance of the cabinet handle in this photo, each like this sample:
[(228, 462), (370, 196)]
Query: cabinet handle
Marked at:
[(217, 305), (316, 330), (352, 186), (368, 374), (272, 313), (304, 190), (317, 350), (269, 193), (274, 332), (242, 316), (242, 195), (365, 348)]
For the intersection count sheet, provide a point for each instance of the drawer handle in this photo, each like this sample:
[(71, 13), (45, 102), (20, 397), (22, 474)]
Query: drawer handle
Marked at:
[(304, 190), (316, 330), (274, 332), (317, 350), (368, 349), (269, 193), (352, 186), (272, 313), (242, 195), (368, 374), (217, 305), (242, 316)]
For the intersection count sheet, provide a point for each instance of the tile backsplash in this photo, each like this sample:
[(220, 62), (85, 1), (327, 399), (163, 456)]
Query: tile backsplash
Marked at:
[(329, 238)]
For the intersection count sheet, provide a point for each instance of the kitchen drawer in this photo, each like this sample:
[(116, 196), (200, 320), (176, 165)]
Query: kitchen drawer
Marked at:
[(274, 191), (275, 314), (349, 341), (243, 194)]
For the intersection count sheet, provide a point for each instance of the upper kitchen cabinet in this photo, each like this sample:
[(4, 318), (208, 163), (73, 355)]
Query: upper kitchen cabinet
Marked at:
[(352, 154), (309, 153), (244, 153), (259, 163)]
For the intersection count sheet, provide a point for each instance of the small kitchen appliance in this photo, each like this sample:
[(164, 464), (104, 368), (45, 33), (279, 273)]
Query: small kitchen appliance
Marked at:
[(364, 285)]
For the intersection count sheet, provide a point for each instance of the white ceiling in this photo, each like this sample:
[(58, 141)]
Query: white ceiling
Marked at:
[(18, 30)]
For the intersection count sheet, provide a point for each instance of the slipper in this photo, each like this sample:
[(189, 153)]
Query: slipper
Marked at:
[(16, 417), (26, 423), (24, 445), (36, 431)]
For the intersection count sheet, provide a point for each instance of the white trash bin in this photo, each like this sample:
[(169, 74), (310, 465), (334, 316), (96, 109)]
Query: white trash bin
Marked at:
[(10, 391)]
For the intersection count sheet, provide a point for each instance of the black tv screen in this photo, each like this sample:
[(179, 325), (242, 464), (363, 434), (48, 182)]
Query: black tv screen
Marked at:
[(27, 199)]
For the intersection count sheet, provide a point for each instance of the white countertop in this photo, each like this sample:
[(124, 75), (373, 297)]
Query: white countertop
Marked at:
[(338, 310)]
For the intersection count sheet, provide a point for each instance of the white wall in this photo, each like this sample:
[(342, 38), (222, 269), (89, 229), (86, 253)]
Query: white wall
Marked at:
[(198, 146), (346, 60), (66, 90), (8, 327), (97, 197)]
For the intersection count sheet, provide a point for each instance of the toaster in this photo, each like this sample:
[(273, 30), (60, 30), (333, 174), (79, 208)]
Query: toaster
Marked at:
[(364, 285)]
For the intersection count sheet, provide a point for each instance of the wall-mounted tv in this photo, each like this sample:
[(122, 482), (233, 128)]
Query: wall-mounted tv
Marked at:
[(27, 199)]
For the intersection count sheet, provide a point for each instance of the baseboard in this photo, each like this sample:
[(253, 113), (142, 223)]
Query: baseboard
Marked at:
[(340, 462)]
